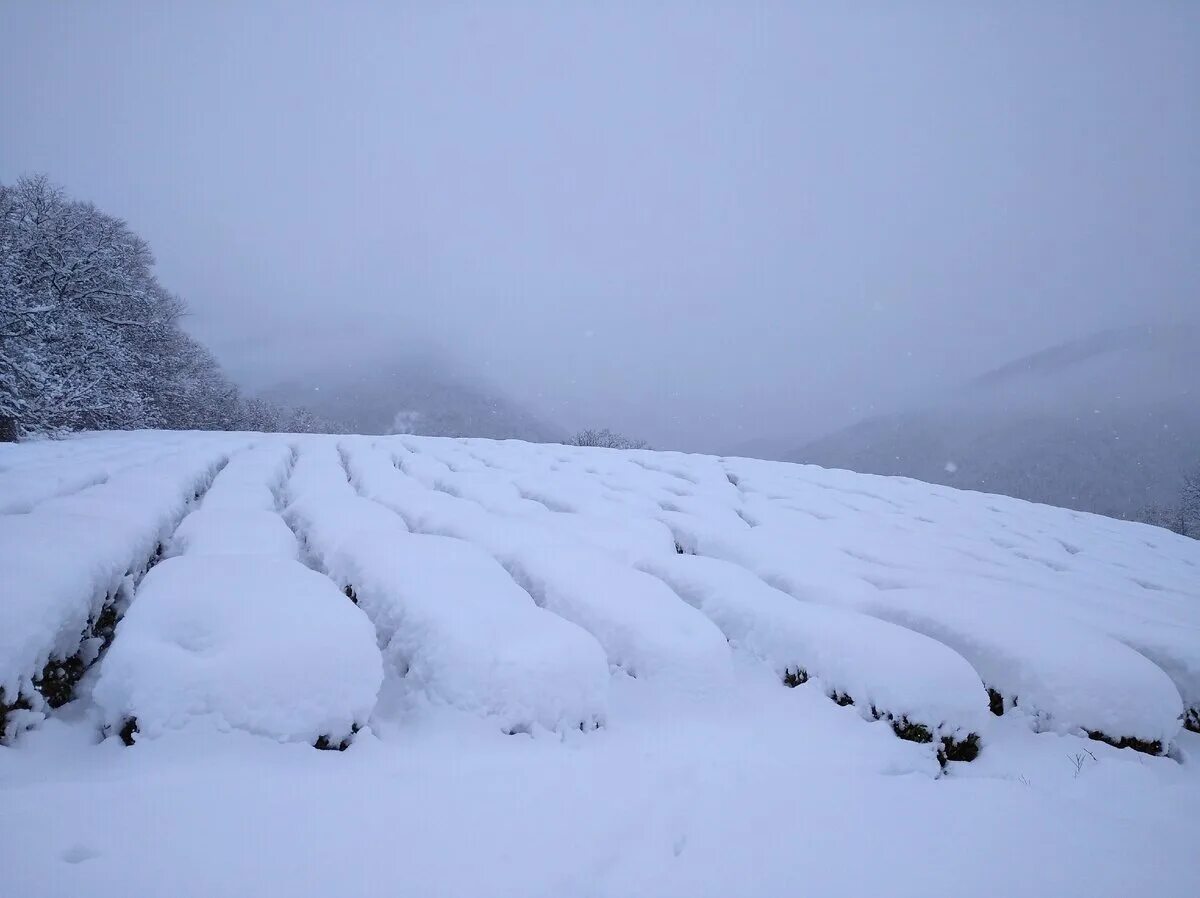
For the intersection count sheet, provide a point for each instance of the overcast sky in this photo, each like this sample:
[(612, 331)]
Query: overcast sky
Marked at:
[(699, 223)]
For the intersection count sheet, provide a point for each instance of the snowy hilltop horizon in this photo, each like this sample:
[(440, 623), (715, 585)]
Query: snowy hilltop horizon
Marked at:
[(543, 669)]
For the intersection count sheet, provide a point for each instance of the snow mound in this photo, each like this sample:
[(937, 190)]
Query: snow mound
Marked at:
[(59, 469), (250, 643), (509, 580), (250, 479), (1070, 677), (228, 531), (451, 620), (52, 596), (885, 670), (69, 559), (143, 504), (644, 628)]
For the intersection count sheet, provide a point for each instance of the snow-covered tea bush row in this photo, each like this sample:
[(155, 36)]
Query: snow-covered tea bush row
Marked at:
[(513, 581), (234, 630), (641, 625), (70, 564), (1071, 676), (448, 617)]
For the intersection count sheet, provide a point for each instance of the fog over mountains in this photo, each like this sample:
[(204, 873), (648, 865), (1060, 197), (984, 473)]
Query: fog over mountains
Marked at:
[(418, 393), (1105, 424)]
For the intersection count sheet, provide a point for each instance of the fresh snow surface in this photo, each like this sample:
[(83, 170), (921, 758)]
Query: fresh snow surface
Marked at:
[(643, 627), (881, 666), (562, 674), (1069, 676), (251, 479), (448, 616), (69, 555), (224, 531), (190, 652)]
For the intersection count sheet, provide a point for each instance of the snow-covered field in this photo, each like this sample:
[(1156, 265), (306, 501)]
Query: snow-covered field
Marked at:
[(560, 671)]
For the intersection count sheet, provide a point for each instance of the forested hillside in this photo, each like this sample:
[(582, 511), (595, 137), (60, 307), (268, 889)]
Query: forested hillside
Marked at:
[(1108, 424)]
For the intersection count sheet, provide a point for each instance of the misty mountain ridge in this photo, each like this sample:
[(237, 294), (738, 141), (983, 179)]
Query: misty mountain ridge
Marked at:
[(419, 395), (1108, 424)]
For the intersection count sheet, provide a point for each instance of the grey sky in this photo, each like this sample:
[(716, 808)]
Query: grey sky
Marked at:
[(699, 223)]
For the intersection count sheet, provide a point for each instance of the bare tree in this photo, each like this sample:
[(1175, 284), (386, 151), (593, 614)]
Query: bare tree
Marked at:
[(607, 439), (1189, 503), (301, 420), (1181, 516)]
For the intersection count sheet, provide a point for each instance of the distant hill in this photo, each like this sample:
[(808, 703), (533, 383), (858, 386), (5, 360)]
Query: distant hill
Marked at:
[(773, 448), (416, 395), (1105, 424)]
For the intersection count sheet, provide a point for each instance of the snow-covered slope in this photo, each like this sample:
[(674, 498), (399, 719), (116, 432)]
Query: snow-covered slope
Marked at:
[(568, 671)]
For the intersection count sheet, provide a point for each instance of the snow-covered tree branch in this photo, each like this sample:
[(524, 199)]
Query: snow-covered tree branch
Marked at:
[(88, 337)]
